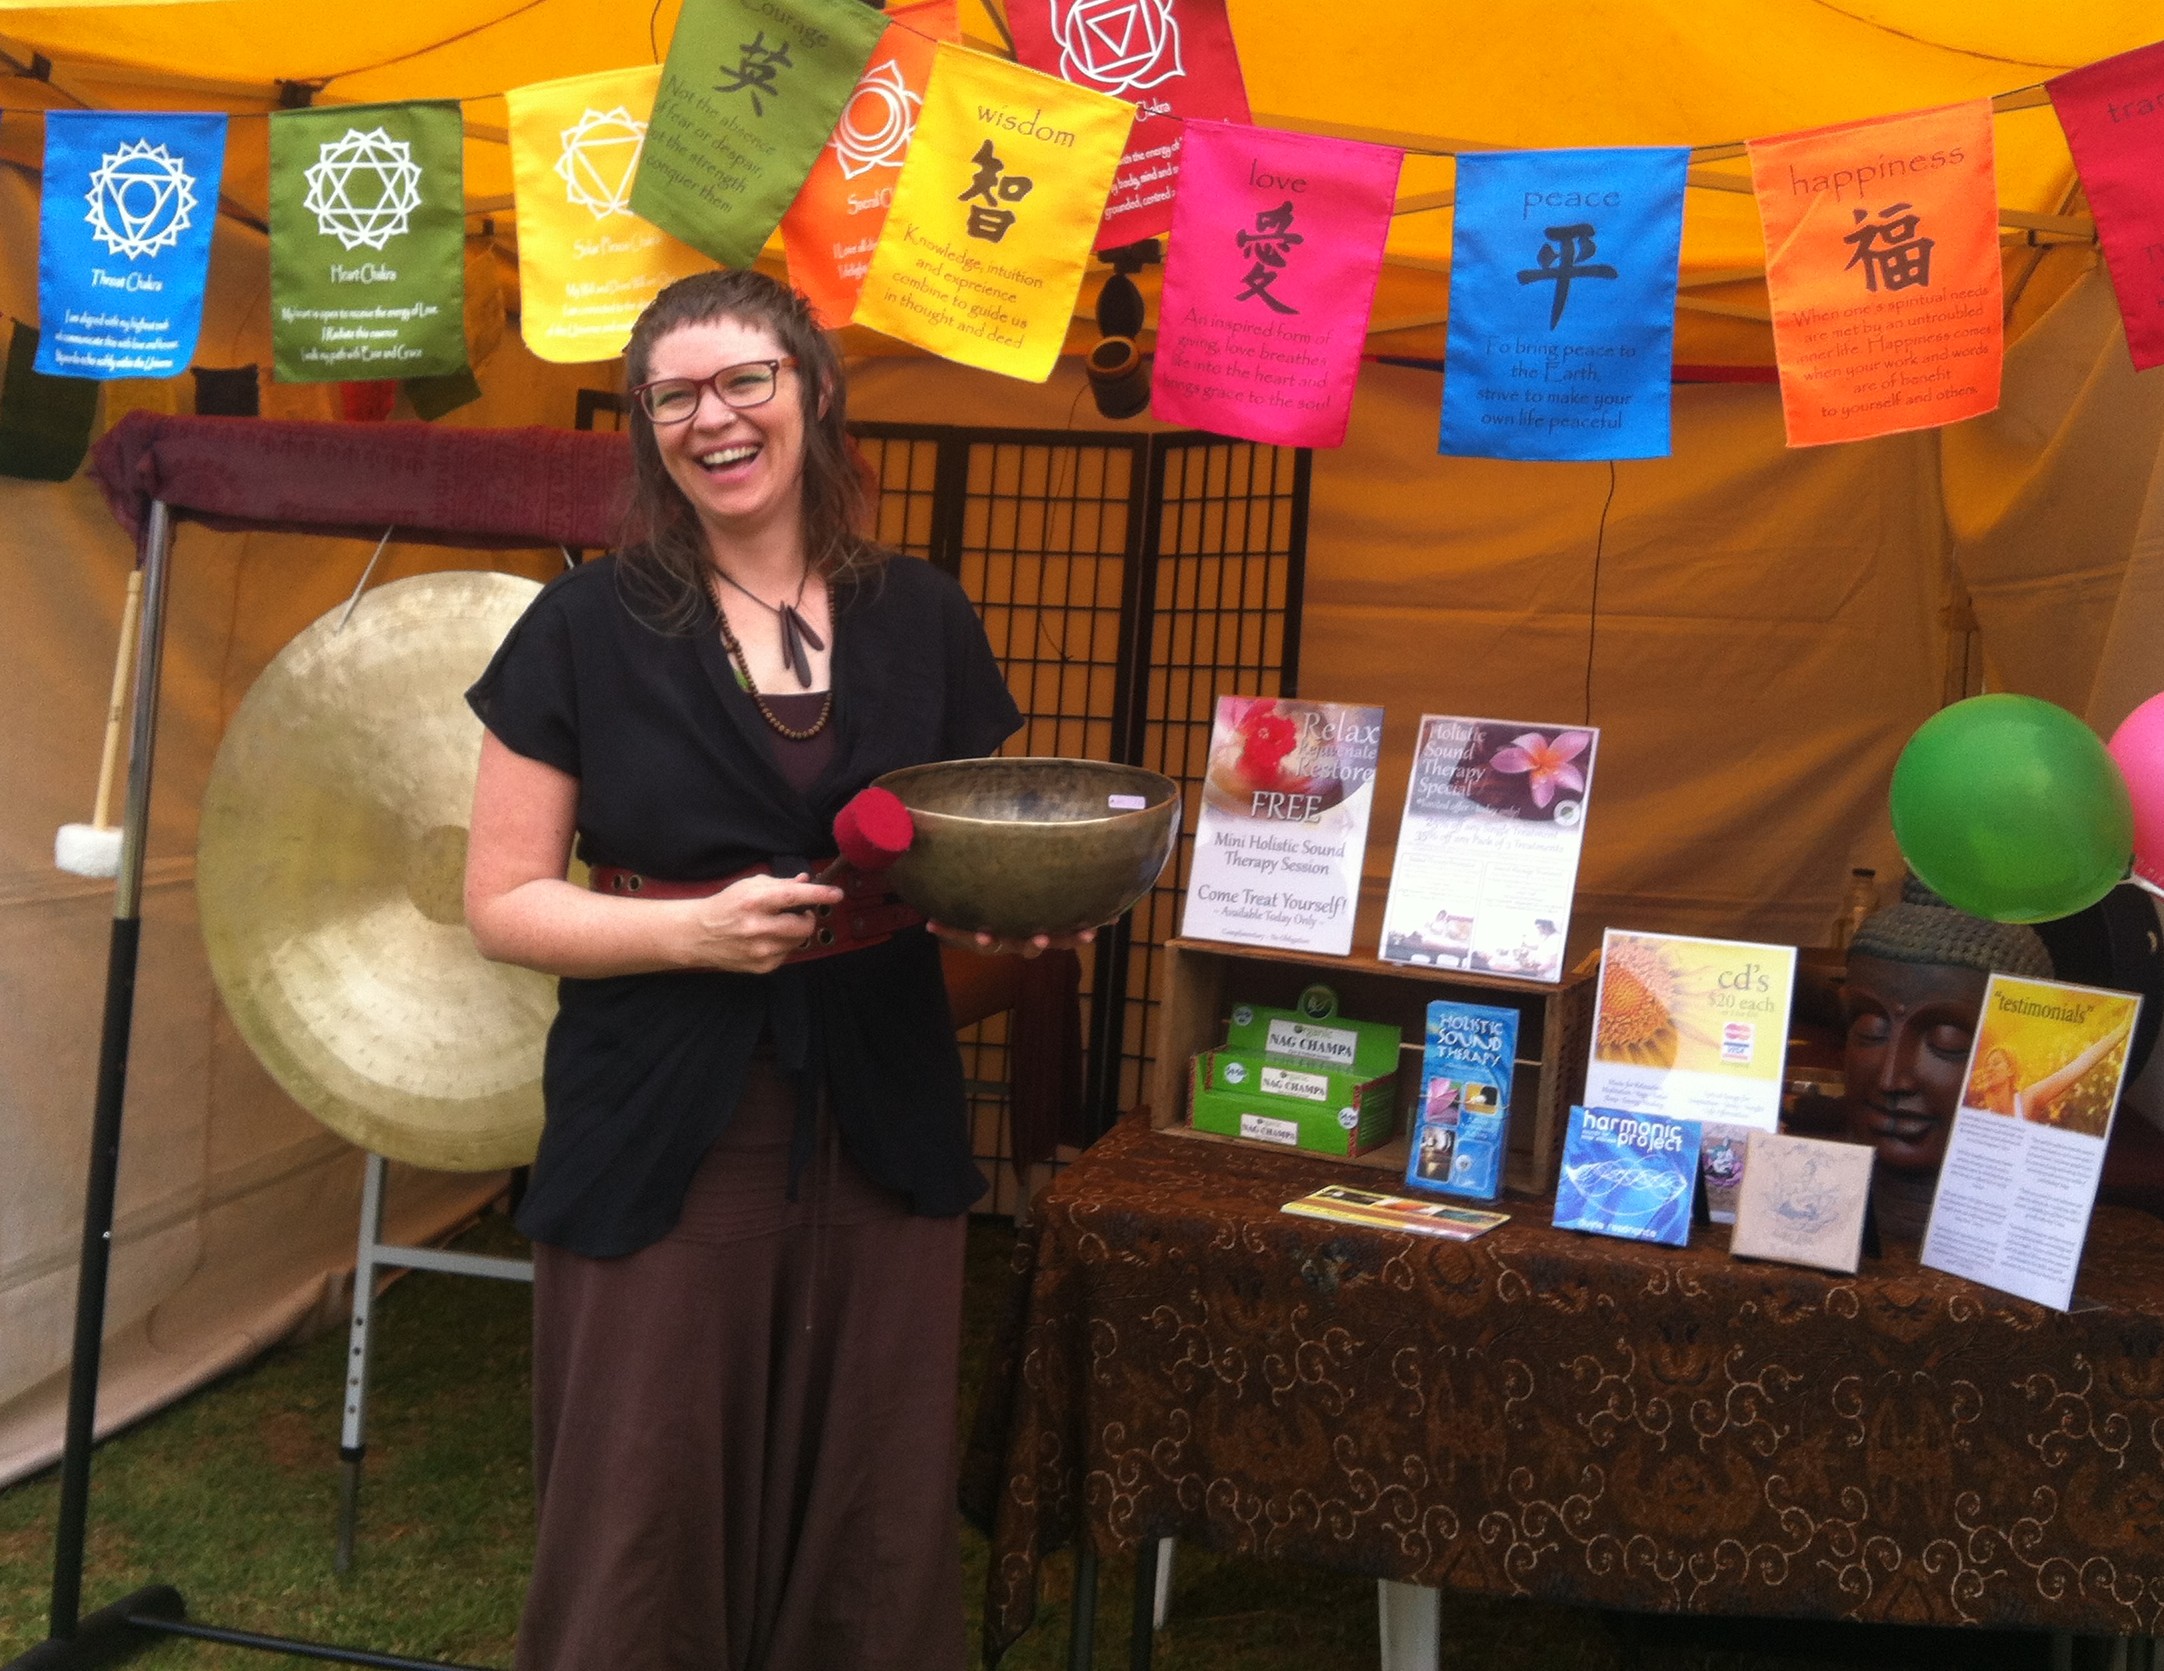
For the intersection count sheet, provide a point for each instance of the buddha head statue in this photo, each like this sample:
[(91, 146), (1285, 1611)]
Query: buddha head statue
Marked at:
[(1916, 977)]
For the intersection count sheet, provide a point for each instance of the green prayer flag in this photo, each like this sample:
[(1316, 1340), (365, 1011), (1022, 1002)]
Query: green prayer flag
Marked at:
[(44, 421), (368, 242), (750, 94)]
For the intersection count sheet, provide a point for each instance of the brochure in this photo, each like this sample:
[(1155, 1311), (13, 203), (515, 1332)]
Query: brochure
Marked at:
[(1487, 856), (1341, 1205), (1693, 1029), (1628, 1175), (2019, 1179), (1463, 1115), (1283, 828), (1802, 1201)]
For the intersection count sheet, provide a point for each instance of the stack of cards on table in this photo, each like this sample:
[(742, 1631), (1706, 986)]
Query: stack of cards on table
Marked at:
[(1340, 1205), (1304, 1080)]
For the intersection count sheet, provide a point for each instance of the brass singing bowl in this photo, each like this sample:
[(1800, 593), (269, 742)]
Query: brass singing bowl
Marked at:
[(1032, 845)]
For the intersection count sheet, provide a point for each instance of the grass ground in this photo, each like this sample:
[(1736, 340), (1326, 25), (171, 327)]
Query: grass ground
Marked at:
[(231, 1495)]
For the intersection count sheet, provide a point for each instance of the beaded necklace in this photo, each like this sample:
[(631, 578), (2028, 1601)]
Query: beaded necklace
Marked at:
[(742, 665)]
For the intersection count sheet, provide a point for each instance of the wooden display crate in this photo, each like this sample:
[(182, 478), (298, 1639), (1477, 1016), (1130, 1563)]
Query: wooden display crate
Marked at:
[(1200, 981)]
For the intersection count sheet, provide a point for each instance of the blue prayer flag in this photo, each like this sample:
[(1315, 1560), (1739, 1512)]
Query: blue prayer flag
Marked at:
[(1563, 303), (124, 240)]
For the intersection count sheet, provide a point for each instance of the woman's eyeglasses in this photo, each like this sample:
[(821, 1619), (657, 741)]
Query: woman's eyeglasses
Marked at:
[(674, 400)]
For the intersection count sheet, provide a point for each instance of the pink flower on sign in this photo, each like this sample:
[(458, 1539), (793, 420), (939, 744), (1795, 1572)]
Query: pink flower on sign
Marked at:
[(1549, 764)]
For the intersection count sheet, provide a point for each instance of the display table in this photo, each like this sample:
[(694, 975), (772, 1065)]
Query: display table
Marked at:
[(1566, 1417)]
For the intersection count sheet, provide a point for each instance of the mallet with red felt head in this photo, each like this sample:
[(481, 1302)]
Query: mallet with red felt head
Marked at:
[(872, 831)]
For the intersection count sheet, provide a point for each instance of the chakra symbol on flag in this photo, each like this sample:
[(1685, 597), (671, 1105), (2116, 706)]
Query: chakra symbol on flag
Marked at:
[(1122, 46), (600, 154), (878, 136), (140, 199), (363, 188)]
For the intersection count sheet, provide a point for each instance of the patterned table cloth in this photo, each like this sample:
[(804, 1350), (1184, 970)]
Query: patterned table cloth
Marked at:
[(1567, 1417)]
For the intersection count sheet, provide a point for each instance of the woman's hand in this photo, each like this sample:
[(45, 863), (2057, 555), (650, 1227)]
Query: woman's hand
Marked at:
[(751, 926), (992, 946)]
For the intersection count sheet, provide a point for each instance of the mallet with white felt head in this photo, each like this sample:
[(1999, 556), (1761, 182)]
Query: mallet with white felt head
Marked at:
[(93, 849)]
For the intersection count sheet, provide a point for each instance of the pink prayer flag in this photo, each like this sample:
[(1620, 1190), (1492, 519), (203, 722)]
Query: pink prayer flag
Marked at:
[(1277, 243), (2113, 114)]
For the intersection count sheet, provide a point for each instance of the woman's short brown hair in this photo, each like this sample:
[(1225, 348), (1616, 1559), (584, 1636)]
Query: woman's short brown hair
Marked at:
[(663, 549)]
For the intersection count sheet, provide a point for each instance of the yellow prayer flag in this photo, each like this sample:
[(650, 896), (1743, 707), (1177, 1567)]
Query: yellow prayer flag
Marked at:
[(587, 266), (994, 215)]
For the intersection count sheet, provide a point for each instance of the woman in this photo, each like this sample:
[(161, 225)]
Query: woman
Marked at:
[(747, 1206)]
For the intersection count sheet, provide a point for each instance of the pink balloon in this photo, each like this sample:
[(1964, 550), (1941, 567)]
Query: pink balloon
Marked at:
[(2138, 746)]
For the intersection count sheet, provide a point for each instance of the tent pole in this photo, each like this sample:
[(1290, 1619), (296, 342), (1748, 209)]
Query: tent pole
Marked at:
[(96, 1261)]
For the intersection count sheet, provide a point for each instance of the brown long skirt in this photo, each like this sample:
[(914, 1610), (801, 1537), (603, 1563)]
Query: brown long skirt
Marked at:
[(744, 1435)]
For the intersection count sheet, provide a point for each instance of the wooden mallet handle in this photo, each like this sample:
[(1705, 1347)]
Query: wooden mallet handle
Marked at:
[(116, 707)]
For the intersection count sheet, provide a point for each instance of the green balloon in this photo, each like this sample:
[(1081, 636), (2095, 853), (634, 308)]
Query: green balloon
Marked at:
[(2010, 808)]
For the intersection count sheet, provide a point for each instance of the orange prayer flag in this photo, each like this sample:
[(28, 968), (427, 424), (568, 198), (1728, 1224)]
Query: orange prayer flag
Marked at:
[(1882, 266), (833, 226)]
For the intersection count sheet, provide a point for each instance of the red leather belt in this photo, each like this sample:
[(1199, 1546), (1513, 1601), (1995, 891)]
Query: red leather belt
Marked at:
[(868, 914)]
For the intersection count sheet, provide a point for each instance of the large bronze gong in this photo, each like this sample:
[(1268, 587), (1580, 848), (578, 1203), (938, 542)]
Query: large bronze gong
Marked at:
[(329, 873)]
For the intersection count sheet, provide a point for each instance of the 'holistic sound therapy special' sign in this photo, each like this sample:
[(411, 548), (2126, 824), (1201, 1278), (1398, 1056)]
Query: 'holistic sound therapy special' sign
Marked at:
[(1277, 243), (833, 226), (982, 255), (124, 227), (1563, 303), (2113, 114), (1172, 59), (1882, 268), (368, 242), (751, 91), (587, 266)]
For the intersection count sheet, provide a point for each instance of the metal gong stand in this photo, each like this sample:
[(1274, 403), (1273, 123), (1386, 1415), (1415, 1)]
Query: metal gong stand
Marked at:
[(137, 1621)]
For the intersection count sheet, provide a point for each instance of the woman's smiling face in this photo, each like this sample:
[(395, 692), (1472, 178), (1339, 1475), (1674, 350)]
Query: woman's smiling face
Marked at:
[(739, 468)]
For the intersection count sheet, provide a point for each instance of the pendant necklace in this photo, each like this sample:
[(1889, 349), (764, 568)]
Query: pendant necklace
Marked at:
[(796, 632)]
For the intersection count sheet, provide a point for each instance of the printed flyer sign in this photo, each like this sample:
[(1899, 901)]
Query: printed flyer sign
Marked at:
[(2019, 1179), (587, 266), (2113, 114), (368, 242), (1174, 60), (1693, 1029), (1284, 823), (984, 248), (833, 226), (1882, 268), (1563, 303), (124, 225), (1487, 858), (1627, 1175), (750, 94), (1277, 244)]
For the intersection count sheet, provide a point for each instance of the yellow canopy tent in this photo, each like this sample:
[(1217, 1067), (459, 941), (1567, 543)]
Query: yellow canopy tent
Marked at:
[(1770, 626)]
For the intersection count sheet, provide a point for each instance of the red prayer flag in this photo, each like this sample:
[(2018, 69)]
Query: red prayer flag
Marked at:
[(1171, 59), (2113, 114)]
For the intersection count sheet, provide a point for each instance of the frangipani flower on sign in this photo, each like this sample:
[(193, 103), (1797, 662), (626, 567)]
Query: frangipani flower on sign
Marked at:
[(1548, 764)]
